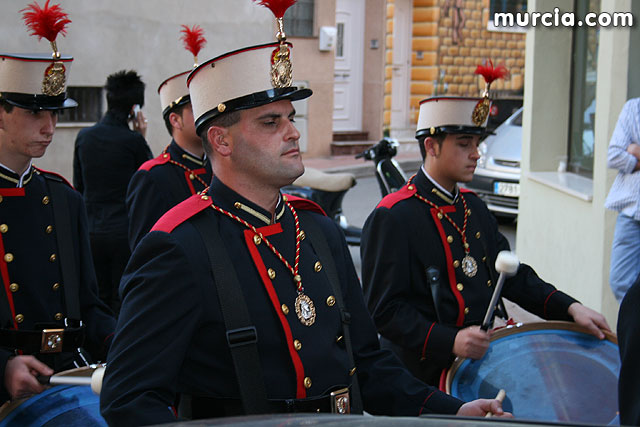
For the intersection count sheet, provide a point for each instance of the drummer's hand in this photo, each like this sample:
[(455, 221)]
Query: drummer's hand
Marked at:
[(471, 342), (481, 407), (590, 319), (20, 376)]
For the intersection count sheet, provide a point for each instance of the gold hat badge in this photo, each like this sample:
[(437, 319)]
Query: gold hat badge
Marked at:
[(281, 70), (490, 74), (48, 22)]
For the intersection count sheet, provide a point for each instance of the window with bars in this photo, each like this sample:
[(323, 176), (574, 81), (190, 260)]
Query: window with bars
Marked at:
[(298, 21), (89, 107)]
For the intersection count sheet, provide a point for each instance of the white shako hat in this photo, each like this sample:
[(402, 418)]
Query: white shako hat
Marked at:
[(38, 81), (245, 78), (446, 114), (174, 91)]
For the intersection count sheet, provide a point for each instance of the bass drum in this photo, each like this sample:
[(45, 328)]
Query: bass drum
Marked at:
[(62, 405), (551, 371)]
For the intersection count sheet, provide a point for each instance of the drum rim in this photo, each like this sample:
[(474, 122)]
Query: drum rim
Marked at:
[(525, 327)]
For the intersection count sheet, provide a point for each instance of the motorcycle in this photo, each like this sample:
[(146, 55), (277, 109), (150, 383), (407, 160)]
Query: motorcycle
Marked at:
[(327, 190), (389, 174)]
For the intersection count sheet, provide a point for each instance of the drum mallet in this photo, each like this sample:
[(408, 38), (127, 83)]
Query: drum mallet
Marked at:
[(95, 380), (507, 264), (500, 398)]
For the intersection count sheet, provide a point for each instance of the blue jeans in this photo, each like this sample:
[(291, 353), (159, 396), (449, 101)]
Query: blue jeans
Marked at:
[(625, 255)]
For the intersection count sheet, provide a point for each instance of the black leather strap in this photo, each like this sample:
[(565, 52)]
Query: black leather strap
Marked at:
[(321, 247), (64, 235), (241, 333)]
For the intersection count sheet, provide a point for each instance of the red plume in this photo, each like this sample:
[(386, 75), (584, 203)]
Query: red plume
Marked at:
[(490, 74), (193, 38), (46, 22), (278, 7)]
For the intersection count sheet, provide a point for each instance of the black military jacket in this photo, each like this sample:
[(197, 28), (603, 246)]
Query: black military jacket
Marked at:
[(171, 337), (32, 282), (629, 342), (162, 183), (105, 158), (402, 238)]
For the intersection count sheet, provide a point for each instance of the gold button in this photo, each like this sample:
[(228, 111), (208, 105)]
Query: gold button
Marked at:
[(237, 205), (410, 187), (52, 258), (257, 239), (297, 345), (272, 273), (331, 301), (4, 228), (58, 316), (285, 309), (489, 283), (466, 245), (56, 286), (317, 267), (204, 197), (166, 156), (14, 287), (456, 263), (339, 338), (466, 310), (45, 200), (19, 318), (468, 211), (221, 108), (484, 259), (440, 215), (478, 235), (460, 286), (450, 239), (0, 199), (192, 176), (307, 382), (352, 371), (8, 257), (302, 235), (49, 229)]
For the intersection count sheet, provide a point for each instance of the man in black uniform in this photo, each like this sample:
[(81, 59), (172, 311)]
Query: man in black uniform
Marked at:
[(105, 158), (432, 228), (629, 341), (47, 276), (182, 169), (243, 300)]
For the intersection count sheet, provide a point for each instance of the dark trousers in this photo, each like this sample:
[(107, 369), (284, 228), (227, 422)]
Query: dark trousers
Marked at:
[(110, 257)]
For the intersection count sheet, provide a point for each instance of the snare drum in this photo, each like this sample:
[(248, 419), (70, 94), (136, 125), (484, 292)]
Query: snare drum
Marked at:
[(62, 405), (551, 371)]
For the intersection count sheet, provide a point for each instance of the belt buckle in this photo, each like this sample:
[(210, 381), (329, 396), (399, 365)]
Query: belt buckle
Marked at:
[(51, 341), (340, 402)]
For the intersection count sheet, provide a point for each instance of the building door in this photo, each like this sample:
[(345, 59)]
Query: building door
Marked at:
[(347, 89), (401, 68)]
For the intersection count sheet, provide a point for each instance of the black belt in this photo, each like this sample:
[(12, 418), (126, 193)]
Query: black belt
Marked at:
[(199, 407), (49, 340)]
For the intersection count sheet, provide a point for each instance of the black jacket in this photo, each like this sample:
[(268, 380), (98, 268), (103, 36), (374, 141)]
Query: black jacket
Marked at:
[(402, 238), (629, 342), (160, 184), (105, 158)]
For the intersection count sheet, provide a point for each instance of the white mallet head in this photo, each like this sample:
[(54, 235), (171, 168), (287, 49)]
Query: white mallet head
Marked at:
[(96, 380), (507, 262)]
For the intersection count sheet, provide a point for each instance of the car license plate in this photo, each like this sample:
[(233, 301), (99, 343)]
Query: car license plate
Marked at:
[(509, 189)]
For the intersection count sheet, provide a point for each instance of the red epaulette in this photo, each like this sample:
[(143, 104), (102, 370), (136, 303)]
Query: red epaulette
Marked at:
[(182, 212), (53, 175), (160, 160), (466, 190), (402, 194), (305, 204)]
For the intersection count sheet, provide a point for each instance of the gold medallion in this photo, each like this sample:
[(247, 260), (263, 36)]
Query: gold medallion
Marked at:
[(281, 69), (469, 266), (305, 310), (480, 112), (54, 79)]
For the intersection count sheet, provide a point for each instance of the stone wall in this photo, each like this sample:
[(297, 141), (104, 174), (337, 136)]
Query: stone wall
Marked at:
[(435, 56)]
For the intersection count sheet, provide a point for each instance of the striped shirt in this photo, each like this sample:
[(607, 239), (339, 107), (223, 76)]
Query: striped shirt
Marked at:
[(624, 195)]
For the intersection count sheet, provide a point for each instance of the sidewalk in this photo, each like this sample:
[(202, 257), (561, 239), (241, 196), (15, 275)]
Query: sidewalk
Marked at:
[(408, 157)]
